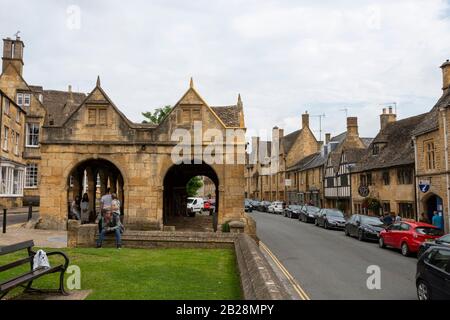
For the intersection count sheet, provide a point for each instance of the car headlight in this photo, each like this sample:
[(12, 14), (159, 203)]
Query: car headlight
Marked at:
[(310, 215)]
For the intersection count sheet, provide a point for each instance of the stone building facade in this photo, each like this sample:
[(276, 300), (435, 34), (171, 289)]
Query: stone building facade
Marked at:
[(73, 143), (385, 173), (431, 156)]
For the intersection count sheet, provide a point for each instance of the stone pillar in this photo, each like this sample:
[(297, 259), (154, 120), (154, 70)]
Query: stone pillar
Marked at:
[(92, 186)]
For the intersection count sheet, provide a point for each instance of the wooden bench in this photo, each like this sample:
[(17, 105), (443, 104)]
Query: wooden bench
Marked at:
[(26, 280)]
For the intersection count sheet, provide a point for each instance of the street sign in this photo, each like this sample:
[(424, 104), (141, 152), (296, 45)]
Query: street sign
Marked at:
[(288, 182), (424, 186)]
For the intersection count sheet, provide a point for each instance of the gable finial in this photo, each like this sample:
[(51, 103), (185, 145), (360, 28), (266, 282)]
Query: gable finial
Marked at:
[(191, 83), (98, 81), (239, 102)]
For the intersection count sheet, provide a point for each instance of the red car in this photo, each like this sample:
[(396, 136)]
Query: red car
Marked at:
[(206, 205), (408, 235)]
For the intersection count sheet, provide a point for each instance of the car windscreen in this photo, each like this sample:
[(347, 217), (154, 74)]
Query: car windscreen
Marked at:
[(334, 213), (374, 221), (312, 209), (445, 238), (190, 201), (428, 231)]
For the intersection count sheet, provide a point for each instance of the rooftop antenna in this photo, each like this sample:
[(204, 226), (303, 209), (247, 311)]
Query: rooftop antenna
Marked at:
[(346, 112), (390, 104), (320, 116)]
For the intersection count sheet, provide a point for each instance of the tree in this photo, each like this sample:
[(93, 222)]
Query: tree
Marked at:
[(156, 116), (193, 185)]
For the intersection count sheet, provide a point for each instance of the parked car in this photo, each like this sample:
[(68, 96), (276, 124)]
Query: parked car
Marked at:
[(330, 219), (443, 241), (276, 207), (263, 206), (433, 274), (308, 213), (248, 206), (408, 236), (364, 227), (292, 211), (194, 205)]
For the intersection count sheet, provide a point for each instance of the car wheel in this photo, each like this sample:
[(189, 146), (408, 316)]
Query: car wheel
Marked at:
[(423, 292), (381, 243), (405, 249), (346, 232), (360, 235)]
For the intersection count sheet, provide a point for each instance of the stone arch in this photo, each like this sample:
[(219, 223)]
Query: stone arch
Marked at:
[(432, 202), (174, 194)]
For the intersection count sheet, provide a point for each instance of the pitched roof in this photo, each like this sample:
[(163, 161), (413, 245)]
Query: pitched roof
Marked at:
[(312, 161), (288, 140), (430, 123), (395, 145), (228, 114), (367, 141), (57, 104)]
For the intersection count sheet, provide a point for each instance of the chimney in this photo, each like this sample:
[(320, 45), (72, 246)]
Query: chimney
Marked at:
[(305, 120), (327, 138), (386, 118), (13, 54), (352, 126), (70, 95), (446, 75)]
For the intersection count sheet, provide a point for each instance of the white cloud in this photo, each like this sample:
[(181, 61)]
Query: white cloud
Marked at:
[(284, 57)]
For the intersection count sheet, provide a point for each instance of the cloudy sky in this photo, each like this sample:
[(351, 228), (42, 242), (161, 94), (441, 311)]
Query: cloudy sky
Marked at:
[(284, 57)]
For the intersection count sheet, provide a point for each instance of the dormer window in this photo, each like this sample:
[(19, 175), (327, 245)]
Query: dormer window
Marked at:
[(376, 149)]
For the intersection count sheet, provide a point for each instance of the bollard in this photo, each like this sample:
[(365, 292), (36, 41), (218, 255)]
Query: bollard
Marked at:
[(4, 220), (30, 212)]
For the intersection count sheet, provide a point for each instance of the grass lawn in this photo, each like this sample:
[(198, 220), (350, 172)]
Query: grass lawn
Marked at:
[(137, 274)]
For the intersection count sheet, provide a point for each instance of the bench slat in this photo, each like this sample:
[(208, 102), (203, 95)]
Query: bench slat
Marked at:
[(16, 247), (25, 278), (16, 263)]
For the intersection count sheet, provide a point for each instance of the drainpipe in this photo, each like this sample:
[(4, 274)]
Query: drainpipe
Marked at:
[(444, 118), (416, 178)]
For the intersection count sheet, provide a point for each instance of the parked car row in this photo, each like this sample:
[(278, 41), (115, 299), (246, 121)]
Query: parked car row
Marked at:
[(409, 236)]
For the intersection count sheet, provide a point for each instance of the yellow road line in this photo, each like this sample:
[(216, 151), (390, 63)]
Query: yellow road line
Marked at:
[(291, 279)]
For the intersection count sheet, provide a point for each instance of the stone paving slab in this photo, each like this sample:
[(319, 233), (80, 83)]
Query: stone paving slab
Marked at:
[(42, 238), (73, 295)]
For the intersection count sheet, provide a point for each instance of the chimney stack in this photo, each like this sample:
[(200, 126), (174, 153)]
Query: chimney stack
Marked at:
[(352, 126), (13, 54), (305, 120), (386, 118), (327, 138), (446, 75)]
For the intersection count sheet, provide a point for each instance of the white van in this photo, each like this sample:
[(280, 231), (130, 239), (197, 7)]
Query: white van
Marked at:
[(194, 205)]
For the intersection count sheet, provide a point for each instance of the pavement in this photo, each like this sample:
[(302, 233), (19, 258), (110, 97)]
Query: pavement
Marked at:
[(18, 215), (42, 238), (325, 264)]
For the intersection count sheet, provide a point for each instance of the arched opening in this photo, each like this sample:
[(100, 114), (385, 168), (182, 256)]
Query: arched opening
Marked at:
[(432, 204), (93, 178), (176, 196)]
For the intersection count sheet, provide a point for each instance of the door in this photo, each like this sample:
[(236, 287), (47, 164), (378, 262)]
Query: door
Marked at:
[(403, 235), (391, 234)]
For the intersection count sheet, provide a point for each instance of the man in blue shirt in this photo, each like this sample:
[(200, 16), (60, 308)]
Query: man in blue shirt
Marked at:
[(437, 220)]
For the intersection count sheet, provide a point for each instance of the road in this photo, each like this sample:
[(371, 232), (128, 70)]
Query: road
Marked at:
[(329, 265), (13, 218)]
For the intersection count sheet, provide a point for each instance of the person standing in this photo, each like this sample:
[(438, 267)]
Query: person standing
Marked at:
[(398, 218), (106, 200), (115, 206), (437, 220), (84, 206), (109, 223), (75, 208)]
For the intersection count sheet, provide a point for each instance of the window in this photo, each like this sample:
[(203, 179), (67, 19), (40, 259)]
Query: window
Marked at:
[(404, 176), (7, 107), (102, 117), (375, 149), (31, 180), (92, 116), (20, 99), (17, 115), (344, 180), (16, 143), (386, 178), (369, 179), (404, 227), (26, 99), (430, 154), (406, 210), (11, 181), (386, 207), (32, 138), (440, 259), (330, 182), (365, 179), (5, 138)]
